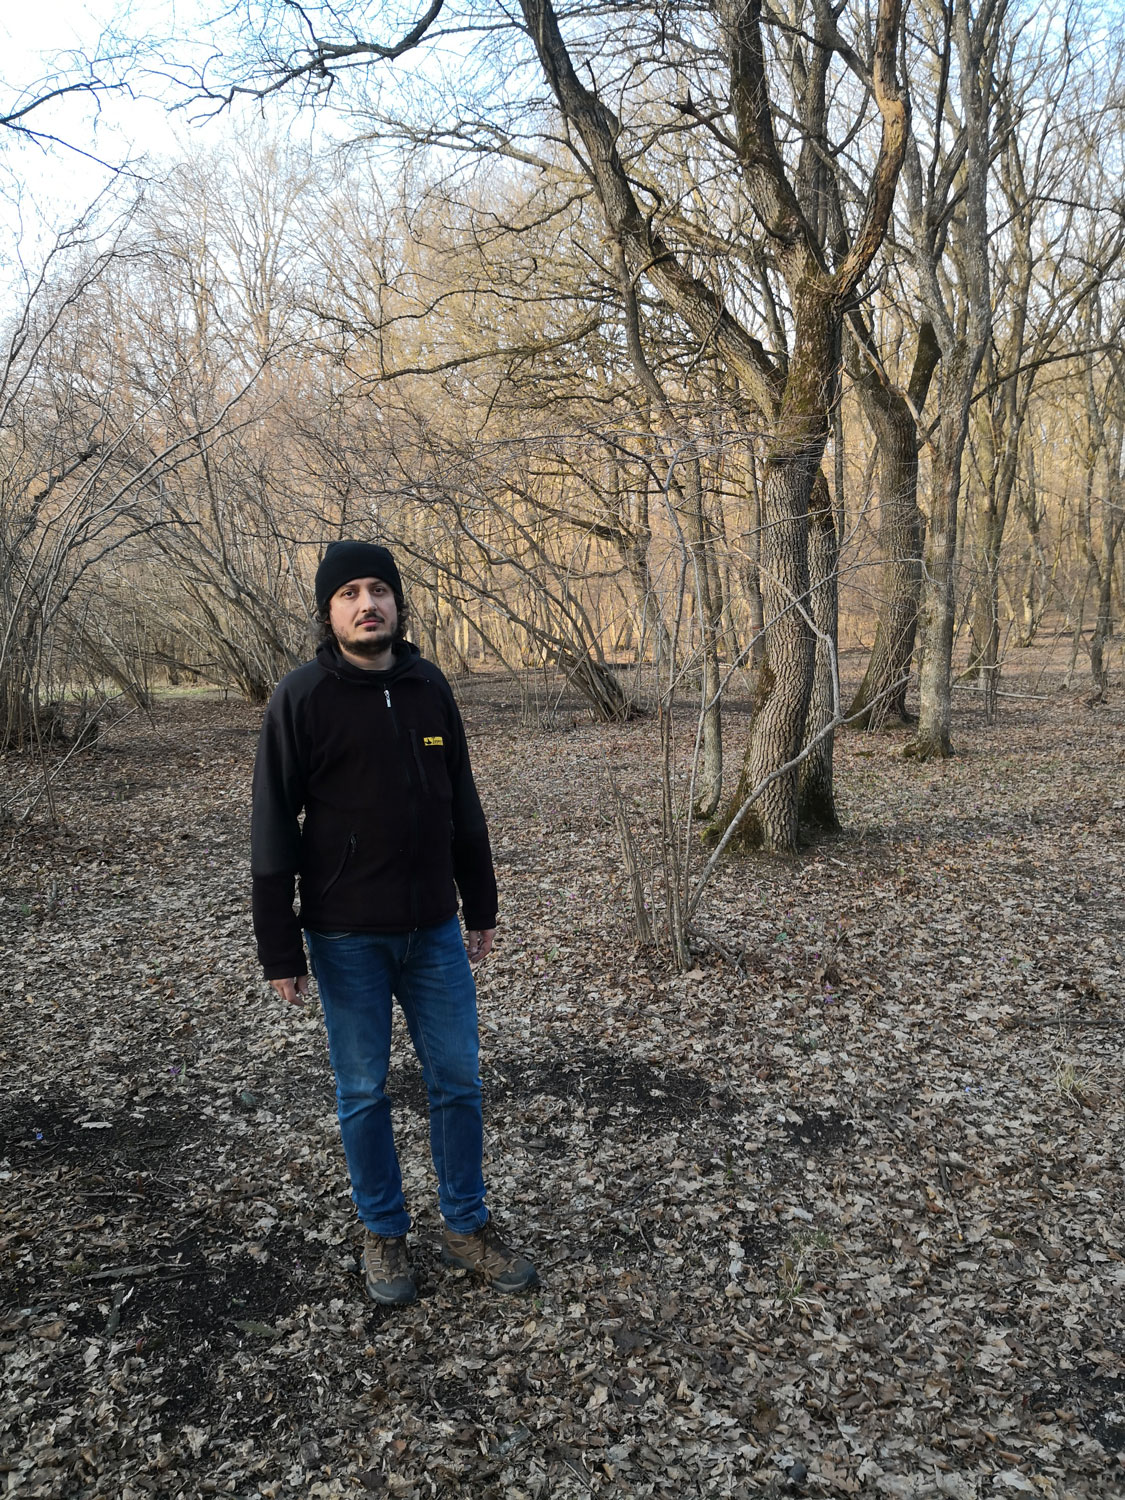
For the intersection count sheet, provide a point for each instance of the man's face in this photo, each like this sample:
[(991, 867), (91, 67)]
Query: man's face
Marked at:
[(364, 618)]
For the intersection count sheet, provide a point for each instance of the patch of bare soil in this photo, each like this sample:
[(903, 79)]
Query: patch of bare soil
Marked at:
[(837, 1212)]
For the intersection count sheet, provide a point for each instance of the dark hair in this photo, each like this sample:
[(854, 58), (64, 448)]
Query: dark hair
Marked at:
[(325, 633)]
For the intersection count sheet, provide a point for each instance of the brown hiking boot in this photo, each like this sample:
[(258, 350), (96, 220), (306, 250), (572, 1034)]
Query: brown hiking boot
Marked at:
[(386, 1269), (486, 1253)]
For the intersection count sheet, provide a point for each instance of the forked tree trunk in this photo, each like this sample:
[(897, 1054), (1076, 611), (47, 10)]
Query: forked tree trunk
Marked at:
[(796, 399), (597, 685)]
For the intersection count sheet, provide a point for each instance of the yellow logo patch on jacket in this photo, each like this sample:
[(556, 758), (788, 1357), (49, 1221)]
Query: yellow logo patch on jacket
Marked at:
[(433, 739)]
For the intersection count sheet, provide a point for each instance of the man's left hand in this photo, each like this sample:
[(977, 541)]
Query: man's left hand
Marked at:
[(478, 943)]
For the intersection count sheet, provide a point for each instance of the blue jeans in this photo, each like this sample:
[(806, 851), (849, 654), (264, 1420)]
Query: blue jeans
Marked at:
[(428, 972)]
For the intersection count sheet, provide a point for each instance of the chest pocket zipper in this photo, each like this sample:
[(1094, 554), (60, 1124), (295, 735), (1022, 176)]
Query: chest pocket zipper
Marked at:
[(419, 761)]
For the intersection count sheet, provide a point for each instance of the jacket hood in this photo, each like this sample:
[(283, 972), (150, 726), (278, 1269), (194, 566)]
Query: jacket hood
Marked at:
[(330, 659)]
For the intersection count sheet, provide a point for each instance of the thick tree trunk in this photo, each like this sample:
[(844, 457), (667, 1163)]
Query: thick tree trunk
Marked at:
[(935, 694), (935, 679), (881, 698), (817, 806), (959, 368), (709, 772), (1034, 590), (1001, 480), (1103, 629), (818, 297), (785, 679), (655, 631), (986, 623)]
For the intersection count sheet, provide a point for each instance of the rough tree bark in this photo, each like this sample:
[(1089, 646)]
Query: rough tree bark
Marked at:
[(819, 299), (948, 201), (892, 413), (935, 679), (817, 805)]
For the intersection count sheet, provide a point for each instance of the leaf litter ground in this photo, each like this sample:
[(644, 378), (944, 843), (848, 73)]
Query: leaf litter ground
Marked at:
[(837, 1212)]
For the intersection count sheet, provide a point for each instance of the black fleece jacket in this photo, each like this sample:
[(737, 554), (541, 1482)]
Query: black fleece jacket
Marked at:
[(393, 826)]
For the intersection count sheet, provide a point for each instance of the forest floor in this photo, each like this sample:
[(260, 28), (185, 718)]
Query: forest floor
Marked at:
[(839, 1211)]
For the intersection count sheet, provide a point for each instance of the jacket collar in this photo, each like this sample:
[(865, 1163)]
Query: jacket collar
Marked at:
[(331, 659)]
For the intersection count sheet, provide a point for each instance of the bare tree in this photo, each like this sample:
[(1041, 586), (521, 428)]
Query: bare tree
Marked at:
[(946, 175), (1054, 257), (796, 387), (893, 414), (1102, 502)]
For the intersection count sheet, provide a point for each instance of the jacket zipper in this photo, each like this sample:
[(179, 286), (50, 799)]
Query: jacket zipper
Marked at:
[(414, 851), (348, 852), (419, 761)]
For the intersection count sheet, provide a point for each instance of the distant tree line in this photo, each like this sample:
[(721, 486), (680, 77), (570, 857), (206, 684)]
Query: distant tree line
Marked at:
[(669, 346)]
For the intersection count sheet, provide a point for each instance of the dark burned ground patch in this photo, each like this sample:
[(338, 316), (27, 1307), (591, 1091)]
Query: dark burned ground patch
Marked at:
[(180, 1294), (190, 1325), (1095, 1402), (458, 1397), (592, 1079), (46, 1131), (819, 1130)]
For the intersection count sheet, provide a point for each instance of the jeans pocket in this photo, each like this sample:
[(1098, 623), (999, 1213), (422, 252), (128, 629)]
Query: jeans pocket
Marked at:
[(330, 937)]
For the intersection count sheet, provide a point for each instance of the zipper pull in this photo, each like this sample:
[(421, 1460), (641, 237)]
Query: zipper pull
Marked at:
[(387, 696)]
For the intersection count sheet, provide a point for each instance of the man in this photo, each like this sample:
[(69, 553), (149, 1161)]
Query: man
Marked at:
[(368, 743)]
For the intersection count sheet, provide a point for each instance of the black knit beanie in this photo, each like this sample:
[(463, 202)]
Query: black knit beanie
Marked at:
[(343, 561)]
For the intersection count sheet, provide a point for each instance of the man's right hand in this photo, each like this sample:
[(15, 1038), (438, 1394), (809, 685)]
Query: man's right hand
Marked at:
[(292, 990)]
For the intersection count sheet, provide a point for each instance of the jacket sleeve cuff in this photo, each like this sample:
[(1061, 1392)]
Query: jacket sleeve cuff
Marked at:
[(477, 921), (291, 970)]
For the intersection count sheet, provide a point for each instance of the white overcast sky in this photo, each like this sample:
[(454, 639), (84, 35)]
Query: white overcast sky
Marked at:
[(55, 182), (34, 39)]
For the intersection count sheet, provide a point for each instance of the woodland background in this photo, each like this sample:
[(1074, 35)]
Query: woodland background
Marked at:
[(742, 391), (552, 346)]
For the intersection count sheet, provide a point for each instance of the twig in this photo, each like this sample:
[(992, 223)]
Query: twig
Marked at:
[(115, 1273), (971, 687), (642, 921), (947, 1188), (732, 956), (115, 1311), (1069, 1021)]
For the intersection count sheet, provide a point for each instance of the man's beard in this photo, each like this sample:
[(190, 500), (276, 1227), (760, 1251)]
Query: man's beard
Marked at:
[(364, 643)]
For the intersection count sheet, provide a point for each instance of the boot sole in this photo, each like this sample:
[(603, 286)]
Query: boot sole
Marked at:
[(497, 1284), (391, 1300)]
